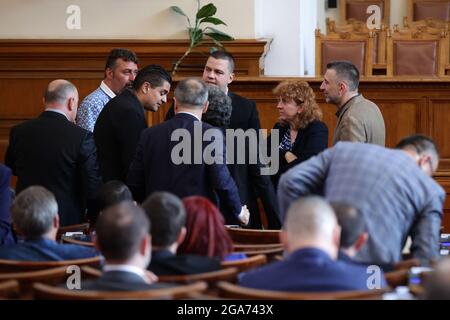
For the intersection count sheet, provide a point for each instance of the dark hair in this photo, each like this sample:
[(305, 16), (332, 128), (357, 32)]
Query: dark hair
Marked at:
[(346, 71), (224, 55), (168, 217), (206, 234), (120, 230), (153, 74), (113, 192), (351, 222), (60, 92), (420, 143), (219, 109), (119, 53)]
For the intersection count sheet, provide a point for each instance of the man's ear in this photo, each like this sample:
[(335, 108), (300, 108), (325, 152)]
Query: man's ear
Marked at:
[(146, 245), (205, 107), (109, 73), (181, 236), (284, 238), (175, 105), (362, 239), (231, 79), (56, 222), (337, 235)]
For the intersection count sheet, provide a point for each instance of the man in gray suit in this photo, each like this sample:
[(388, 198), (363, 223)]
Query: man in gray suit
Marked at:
[(392, 189), (359, 119)]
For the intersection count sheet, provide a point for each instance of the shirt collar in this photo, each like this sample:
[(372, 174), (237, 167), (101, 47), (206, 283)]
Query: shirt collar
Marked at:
[(107, 90), (57, 111), (191, 115), (124, 267), (344, 107)]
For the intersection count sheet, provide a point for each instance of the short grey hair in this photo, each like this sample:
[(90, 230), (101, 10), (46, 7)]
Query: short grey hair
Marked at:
[(219, 109), (59, 93), (33, 211), (310, 217), (191, 93)]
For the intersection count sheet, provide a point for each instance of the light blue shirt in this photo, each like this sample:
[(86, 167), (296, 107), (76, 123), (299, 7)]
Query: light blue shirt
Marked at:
[(92, 105)]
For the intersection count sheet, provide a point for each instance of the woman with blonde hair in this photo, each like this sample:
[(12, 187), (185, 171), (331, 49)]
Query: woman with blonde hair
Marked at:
[(301, 131)]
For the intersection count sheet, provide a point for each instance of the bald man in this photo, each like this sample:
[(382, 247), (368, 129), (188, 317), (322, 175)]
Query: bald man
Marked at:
[(53, 152)]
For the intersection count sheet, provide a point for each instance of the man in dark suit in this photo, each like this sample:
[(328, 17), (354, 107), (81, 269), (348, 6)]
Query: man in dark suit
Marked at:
[(219, 72), (168, 219), (124, 241), (6, 232), (35, 216), (53, 152), (311, 237), (122, 120), (185, 168)]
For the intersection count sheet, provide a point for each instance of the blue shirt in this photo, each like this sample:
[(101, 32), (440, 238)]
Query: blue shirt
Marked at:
[(92, 105)]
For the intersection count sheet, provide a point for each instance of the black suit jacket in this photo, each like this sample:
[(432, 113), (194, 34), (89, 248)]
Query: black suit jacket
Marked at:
[(153, 168), (249, 181), (53, 152), (120, 281), (116, 135), (165, 262), (310, 141)]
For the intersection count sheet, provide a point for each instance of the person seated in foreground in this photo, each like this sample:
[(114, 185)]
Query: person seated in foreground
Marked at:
[(311, 237), (168, 217), (35, 217), (124, 241), (206, 234), (437, 285)]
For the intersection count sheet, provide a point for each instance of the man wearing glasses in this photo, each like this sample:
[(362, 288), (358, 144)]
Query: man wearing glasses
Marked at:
[(393, 190)]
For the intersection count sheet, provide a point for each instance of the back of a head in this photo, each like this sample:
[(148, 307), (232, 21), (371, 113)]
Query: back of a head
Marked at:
[(153, 74), (346, 71), (351, 222), (310, 219), (33, 212), (58, 91), (219, 108), (224, 55), (191, 93), (206, 234), (111, 193), (168, 217), (120, 230), (119, 53), (420, 144)]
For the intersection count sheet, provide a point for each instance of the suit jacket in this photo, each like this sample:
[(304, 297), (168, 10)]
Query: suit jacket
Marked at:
[(120, 281), (117, 133), (247, 177), (153, 168), (165, 262), (395, 197), (6, 232), (53, 152), (360, 120), (45, 250), (308, 270), (309, 142)]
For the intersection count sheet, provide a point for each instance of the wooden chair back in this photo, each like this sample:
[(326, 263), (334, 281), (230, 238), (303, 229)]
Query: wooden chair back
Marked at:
[(233, 291), (77, 242), (425, 9), (9, 289), (16, 265), (228, 274), (356, 48), (43, 291), (357, 10), (245, 264), (253, 236)]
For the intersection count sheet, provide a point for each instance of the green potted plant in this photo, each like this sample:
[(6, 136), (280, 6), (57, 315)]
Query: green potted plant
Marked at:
[(198, 30)]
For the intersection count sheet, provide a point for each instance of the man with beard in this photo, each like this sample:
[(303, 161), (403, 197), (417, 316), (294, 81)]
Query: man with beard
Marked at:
[(359, 119), (122, 120)]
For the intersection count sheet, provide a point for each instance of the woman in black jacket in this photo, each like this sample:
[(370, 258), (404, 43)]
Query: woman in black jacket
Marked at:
[(302, 134)]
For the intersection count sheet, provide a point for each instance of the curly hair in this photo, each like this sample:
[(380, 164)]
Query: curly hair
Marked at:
[(301, 94), (219, 109)]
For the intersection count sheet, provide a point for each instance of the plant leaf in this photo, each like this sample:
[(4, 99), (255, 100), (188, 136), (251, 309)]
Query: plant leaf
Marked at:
[(218, 35), (178, 10), (196, 35), (206, 11), (212, 20)]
